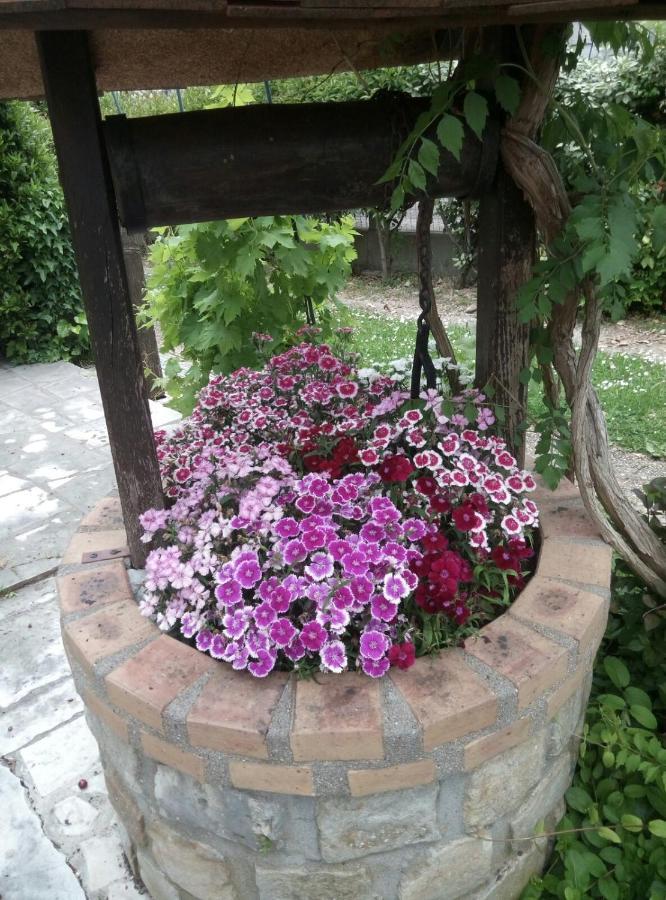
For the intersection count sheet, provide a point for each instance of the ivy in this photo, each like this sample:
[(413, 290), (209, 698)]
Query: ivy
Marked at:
[(41, 313)]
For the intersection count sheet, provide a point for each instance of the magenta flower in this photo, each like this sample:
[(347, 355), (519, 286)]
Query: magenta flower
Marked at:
[(236, 623), (383, 608), (228, 593), (264, 664), (373, 644), (217, 646), (294, 552), (395, 588), (355, 563), (286, 528), (282, 632), (248, 573), (333, 656), (375, 668), (295, 650), (313, 636), (264, 615), (321, 566), (203, 640)]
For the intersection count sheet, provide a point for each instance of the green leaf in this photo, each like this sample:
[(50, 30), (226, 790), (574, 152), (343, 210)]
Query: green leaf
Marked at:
[(617, 671), (657, 827), (507, 91), (659, 228), (579, 799), (609, 835), (397, 197), (450, 133), (475, 108), (429, 156), (644, 717), (416, 175), (609, 888), (631, 823)]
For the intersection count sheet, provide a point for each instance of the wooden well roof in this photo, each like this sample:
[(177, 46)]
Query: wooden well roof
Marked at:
[(171, 43)]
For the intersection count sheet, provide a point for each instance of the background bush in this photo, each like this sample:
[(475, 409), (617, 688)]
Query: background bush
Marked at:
[(41, 315), (214, 284)]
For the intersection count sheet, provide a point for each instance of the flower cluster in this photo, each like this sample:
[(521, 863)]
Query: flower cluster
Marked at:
[(320, 519)]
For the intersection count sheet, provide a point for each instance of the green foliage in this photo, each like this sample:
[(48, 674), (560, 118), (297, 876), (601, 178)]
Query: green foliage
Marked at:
[(616, 808), (41, 316), (214, 284)]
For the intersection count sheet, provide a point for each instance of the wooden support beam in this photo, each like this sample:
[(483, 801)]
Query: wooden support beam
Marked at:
[(276, 159), (74, 111), (507, 252), (134, 249)]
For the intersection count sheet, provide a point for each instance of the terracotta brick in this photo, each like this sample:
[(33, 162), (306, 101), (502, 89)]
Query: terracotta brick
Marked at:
[(561, 694), (147, 683), (170, 755), (393, 778), (106, 514), (233, 712), (483, 748), (105, 632), (584, 563), (103, 712), (93, 587), (575, 612), (565, 519), (529, 660), (338, 717), (89, 541), (446, 696), (274, 779)]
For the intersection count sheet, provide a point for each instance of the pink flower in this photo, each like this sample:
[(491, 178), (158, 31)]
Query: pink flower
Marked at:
[(373, 644), (395, 588), (375, 668), (313, 636), (228, 593), (333, 656), (383, 608), (248, 573), (282, 632), (264, 664), (264, 615), (511, 525), (369, 457), (321, 566)]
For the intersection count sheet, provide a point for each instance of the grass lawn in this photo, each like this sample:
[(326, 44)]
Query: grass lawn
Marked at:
[(632, 390)]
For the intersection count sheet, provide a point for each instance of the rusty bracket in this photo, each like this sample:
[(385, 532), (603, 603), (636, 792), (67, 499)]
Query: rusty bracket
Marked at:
[(101, 555)]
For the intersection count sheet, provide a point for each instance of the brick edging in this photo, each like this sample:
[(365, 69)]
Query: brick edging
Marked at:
[(457, 710)]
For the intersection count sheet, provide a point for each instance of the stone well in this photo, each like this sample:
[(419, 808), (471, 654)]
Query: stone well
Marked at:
[(418, 786)]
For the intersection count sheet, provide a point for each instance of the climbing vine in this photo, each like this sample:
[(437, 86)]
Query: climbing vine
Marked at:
[(589, 243)]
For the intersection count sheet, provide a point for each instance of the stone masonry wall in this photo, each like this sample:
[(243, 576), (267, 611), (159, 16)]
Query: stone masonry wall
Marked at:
[(423, 785)]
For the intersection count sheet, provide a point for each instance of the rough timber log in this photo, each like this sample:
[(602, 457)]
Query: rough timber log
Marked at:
[(275, 159)]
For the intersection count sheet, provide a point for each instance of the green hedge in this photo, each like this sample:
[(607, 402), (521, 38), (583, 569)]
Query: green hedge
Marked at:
[(41, 316)]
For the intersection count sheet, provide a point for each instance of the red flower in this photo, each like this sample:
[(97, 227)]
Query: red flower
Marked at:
[(396, 468), (426, 485), (402, 655), (464, 517)]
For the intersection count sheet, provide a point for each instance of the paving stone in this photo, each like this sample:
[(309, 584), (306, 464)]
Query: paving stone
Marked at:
[(33, 655), (350, 828), (61, 758), (30, 866), (102, 862), (28, 598), (74, 815), (38, 714), (28, 507), (448, 872), (125, 890), (9, 484)]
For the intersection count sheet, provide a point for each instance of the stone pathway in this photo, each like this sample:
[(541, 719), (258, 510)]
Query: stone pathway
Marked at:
[(58, 840)]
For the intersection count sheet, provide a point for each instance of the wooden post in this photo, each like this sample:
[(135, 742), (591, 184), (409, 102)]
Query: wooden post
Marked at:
[(71, 95), (134, 247), (507, 252)]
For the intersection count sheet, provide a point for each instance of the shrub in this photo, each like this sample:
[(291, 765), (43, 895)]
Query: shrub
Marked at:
[(41, 316), (321, 519), (213, 285), (617, 805)]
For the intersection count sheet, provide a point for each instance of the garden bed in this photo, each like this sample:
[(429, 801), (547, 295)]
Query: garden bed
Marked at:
[(340, 786)]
